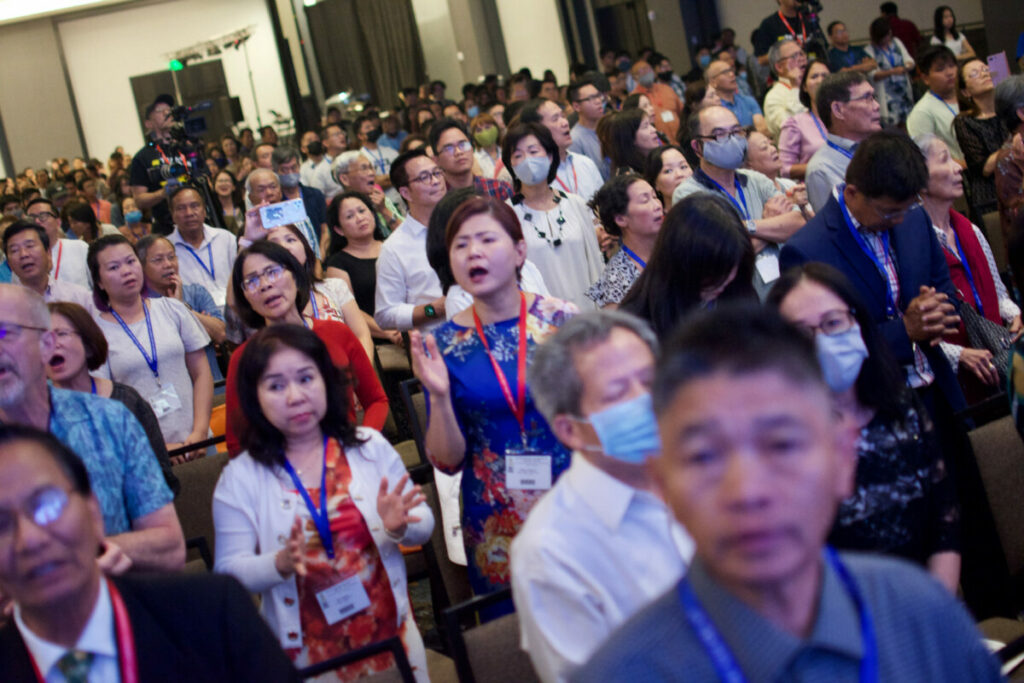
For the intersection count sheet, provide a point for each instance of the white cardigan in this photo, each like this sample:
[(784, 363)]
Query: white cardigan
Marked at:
[(254, 507)]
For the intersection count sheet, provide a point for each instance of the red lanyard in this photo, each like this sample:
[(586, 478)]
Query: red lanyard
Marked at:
[(60, 253), (127, 661), (518, 407), (803, 29), (575, 181), (163, 156)]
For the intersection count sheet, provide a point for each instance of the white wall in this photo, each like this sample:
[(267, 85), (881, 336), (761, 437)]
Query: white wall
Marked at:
[(143, 36), (533, 37), (437, 37)]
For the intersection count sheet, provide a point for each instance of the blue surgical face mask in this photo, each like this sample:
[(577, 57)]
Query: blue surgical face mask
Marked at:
[(533, 170), (841, 357), (728, 153), (704, 60), (627, 431), (133, 216), (473, 111)]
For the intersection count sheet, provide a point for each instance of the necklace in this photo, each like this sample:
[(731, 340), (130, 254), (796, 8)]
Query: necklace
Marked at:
[(552, 239)]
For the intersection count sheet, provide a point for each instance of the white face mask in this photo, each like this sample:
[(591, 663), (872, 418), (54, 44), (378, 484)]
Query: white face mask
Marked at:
[(841, 357), (532, 170)]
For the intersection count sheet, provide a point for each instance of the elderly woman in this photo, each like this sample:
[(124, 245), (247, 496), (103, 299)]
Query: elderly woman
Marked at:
[(802, 134), (892, 78), (764, 157), (355, 172)]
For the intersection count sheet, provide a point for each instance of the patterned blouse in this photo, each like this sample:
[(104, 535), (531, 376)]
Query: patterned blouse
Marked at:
[(619, 274), (979, 139)]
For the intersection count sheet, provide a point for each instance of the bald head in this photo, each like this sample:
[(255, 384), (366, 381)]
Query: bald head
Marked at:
[(28, 307), (721, 76), (263, 185)]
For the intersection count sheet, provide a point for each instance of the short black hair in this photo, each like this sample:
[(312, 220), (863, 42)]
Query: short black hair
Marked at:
[(437, 249), (515, 134), (932, 56), (22, 225), (737, 338), (573, 91), (359, 121), (92, 260), (888, 9), (835, 88), (833, 25), (9, 199), (399, 176), (879, 29), (888, 164), (67, 460), (612, 200), (41, 200), (438, 129), (338, 241), (280, 256), (186, 187)]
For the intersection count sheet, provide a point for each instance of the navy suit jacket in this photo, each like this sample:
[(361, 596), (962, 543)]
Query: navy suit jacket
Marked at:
[(919, 261)]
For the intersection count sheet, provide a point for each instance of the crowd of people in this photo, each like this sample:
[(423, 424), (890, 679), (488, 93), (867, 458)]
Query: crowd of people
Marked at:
[(692, 348)]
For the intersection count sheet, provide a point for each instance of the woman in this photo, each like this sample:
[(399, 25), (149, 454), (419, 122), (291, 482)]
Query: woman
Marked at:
[(121, 189), (559, 227), (764, 157), (981, 134), (476, 425), (702, 254), (81, 348), (802, 134), (971, 268), (903, 501), (134, 226), (946, 34), (81, 219), (271, 287), (238, 164), (356, 243), (666, 168), (628, 137), (412, 141), (629, 209), (641, 102), (332, 297), (484, 130), (421, 118), (228, 196), (697, 96), (892, 78), (330, 574), (156, 346)]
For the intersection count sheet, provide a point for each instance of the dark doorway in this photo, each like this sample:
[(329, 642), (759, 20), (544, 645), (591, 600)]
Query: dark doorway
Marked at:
[(622, 24), (201, 82)]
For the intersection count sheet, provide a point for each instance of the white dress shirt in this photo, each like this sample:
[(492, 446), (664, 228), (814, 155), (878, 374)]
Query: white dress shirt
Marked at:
[(67, 259), (592, 553), (97, 638), (578, 175), (308, 170), (404, 276), (218, 244), (324, 181)]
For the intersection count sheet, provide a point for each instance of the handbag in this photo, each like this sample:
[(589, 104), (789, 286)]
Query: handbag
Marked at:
[(982, 333)]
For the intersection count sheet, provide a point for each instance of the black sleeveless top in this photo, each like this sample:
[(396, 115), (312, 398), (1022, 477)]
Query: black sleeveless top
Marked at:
[(363, 274)]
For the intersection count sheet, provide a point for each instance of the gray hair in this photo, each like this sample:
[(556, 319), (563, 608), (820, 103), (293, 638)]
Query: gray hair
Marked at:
[(775, 49), (146, 242), (555, 385), (282, 155), (341, 163), (248, 178), (1009, 99), (35, 304), (926, 141)]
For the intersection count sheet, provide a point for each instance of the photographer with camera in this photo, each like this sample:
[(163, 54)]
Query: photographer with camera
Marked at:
[(795, 19), (156, 168)]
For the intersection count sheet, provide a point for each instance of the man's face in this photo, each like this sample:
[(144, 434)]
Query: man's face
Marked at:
[(389, 124), (792, 61), (554, 120), (426, 186), (589, 103), (862, 113), (641, 69), (877, 214), (942, 77), (46, 217), (159, 120), (839, 36), (335, 141), (42, 565), (188, 211), (23, 350), (263, 156), (361, 175), (28, 259), (364, 131), (264, 187), (290, 166), (753, 465), (269, 135), (549, 91), (89, 190), (716, 122), (449, 153), (722, 77)]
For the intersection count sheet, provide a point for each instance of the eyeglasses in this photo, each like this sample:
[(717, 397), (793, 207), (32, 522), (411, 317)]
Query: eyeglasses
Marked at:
[(44, 507), (427, 176), (63, 334), (977, 73), (271, 274), (866, 97), (596, 97), (41, 216), (898, 214), (722, 134), (796, 55), (723, 72), (8, 328), (832, 323), (462, 146)]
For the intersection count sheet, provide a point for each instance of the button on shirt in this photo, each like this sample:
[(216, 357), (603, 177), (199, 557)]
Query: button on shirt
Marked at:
[(827, 170), (593, 552), (97, 639), (218, 243), (404, 276)]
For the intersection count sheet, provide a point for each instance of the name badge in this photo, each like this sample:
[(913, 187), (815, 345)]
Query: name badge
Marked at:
[(527, 471), (667, 116), (342, 600), (165, 401), (767, 266)]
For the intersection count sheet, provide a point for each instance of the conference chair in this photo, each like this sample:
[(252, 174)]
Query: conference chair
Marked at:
[(194, 506), (488, 652), (392, 645)]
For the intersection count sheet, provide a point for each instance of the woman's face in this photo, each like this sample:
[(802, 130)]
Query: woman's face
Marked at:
[(674, 170), (646, 136), (483, 256), (68, 352), (161, 264), (128, 204), (644, 213), (809, 304), (945, 180), (948, 19), (814, 78), (229, 147), (287, 239), (762, 155), (710, 98), (269, 287), (356, 221), (80, 228), (977, 78), (646, 107), (292, 393), (528, 147), (223, 185), (120, 273)]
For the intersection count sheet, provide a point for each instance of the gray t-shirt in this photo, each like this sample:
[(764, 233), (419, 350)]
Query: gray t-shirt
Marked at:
[(176, 332)]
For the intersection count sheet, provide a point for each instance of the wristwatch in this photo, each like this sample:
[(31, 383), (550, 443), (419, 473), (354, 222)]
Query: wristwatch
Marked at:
[(751, 226), (430, 311)]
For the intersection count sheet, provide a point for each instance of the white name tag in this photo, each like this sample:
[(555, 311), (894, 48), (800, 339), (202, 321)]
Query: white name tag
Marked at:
[(667, 116), (342, 600), (768, 267), (165, 401), (528, 472)]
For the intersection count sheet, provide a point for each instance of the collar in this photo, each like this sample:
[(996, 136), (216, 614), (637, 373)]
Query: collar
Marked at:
[(845, 143), (607, 497), (763, 650), (704, 179), (97, 637), (413, 226), (208, 235)]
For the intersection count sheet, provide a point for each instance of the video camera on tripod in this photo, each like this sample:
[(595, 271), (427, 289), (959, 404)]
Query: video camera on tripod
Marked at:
[(817, 45)]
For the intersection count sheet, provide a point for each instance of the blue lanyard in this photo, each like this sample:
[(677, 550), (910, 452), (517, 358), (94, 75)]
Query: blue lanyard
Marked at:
[(321, 518), (724, 662), (944, 102), (842, 150), (967, 270), (739, 191), (92, 383), (153, 363), (312, 301), (209, 252), (891, 54), (890, 298), (821, 129), (632, 254), (377, 161)]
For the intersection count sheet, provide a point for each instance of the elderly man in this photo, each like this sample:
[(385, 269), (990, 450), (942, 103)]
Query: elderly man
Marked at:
[(850, 113), (72, 624), (368, 131), (667, 105), (788, 62), (205, 254), (67, 257), (134, 499), (261, 155), (755, 463), (356, 172), (721, 76), (285, 163), (574, 572), (264, 187), (27, 248)]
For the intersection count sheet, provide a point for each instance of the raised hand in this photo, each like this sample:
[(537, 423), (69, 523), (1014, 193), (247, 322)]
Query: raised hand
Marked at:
[(254, 229), (428, 365), (393, 507)]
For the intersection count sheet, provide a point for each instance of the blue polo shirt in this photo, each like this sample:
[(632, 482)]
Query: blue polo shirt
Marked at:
[(839, 59), (743, 107)]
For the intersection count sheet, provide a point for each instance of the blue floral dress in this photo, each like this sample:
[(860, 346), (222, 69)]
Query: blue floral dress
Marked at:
[(491, 513)]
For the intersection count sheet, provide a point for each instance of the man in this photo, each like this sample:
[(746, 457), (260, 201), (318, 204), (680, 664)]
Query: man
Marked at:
[(452, 110), (368, 131), (721, 76), (904, 29), (718, 140), (668, 107), (787, 23), (313, 151), (850, 113), (788, 62), (588, 103), (11, 206), (67, 256), (844, 57), (449, 140), (935, 111), (134, 499), (262, 155), (264, 187), (268, 135), (392, 134), (574, 564), (576, 173), (754, 465), (335, 142), (87, 187), (59, 194), (663, 71), (27, 249), (285, 163), (206, 254), (149, 185), (356, 172), (72, 624), (408, 290)]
